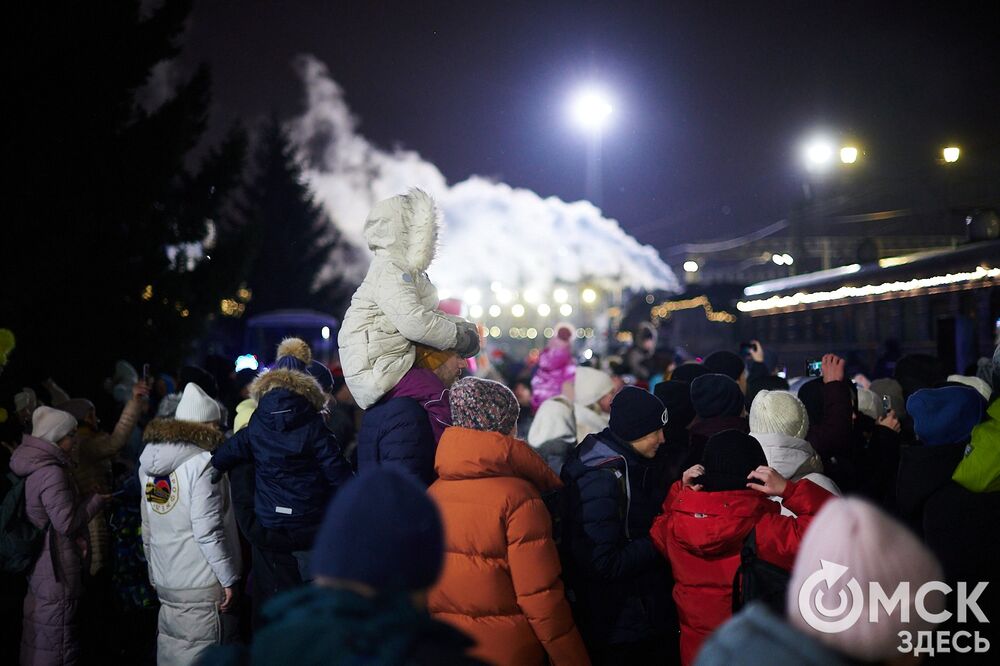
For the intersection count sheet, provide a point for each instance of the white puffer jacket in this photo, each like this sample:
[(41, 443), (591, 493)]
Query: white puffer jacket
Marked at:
[(795, 459), (189, 530), (396, 304)]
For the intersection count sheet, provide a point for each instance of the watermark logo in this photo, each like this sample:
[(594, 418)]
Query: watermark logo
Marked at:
[(848, 610), (831, 601)]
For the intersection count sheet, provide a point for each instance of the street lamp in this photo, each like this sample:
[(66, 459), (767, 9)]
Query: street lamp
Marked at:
[(588, 295), (951, 154), (818, 154), (691, 267), (590, 109), (848, 154)]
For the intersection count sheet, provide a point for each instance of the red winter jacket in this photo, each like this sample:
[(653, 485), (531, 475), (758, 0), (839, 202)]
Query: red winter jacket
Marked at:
[(701, 533)]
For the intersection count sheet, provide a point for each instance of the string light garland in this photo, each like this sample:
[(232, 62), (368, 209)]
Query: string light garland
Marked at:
[(905, 289)]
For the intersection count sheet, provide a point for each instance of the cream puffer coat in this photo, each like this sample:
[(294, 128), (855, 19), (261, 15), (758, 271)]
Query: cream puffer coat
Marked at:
[(396, 304)]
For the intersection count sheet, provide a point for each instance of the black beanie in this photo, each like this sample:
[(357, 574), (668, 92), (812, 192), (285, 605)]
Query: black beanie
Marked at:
[(688, 372), (636, 413), (728, 458), (716, 395), (676, 397), (726, 363)]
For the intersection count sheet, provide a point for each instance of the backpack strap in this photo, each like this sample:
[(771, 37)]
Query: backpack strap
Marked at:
[(748, 554)]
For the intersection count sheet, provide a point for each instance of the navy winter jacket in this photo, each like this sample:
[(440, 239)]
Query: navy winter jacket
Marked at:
[(620, 583), (397, 433), (297, 462)]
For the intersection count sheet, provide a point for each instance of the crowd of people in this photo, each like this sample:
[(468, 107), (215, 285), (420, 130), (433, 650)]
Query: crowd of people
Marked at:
[(420, 501)]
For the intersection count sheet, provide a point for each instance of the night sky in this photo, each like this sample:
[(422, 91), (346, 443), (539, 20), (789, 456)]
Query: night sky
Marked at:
[(712, 98)]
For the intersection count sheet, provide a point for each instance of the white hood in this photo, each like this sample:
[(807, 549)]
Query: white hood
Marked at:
[(404, 228), (163, 459), (792, 457)]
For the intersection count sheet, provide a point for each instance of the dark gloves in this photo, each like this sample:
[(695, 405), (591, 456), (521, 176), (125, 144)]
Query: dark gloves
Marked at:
[(467, 344)]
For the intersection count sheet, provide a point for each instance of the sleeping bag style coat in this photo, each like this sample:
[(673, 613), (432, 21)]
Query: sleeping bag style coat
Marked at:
[(501, 583), (396, 304), (298, 464), (189, 537), (701, 533), (55, 583)]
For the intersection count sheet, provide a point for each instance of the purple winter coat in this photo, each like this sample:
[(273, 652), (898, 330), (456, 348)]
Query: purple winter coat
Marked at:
[(555, 367), (426, 388), (49, 635)]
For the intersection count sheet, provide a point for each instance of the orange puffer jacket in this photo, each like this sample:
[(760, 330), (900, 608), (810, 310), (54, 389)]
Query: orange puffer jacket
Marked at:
[(501, 582)]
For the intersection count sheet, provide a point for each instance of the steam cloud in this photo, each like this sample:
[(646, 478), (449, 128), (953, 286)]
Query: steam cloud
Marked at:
[(493, 232)]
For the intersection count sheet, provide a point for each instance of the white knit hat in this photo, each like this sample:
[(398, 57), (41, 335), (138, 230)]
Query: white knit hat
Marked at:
[(975, 382), (51, 424), (197, 406), (778, 412), (591, 385)]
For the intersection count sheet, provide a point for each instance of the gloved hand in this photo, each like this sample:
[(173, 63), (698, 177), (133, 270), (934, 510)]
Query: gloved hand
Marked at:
[(467, 345)]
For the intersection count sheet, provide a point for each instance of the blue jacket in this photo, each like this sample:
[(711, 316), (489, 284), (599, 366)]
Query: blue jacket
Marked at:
[(397, 433), (620, 583), (297, 462)]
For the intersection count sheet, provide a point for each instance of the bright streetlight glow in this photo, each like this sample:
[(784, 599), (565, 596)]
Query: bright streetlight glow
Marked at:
[(517, 310), (818, 154), (565, 309), (495, 310), (325, 332), (691, 266), (532, 296), (476, 311), (848, 154), (778, 259), (788, 259), (472, 296), (951, 154), (590, 109), (588, 295), (544, 310), (560, 295), (495, 331)]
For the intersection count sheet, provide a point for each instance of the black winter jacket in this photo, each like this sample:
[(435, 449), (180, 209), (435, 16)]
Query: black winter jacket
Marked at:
[(397, 433), (619, 584)]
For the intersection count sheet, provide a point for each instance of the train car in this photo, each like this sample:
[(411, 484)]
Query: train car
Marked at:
[(944, 303)]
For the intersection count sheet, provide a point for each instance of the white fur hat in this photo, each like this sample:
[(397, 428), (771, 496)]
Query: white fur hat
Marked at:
[(778, 412), (197, 406), (51, 424)]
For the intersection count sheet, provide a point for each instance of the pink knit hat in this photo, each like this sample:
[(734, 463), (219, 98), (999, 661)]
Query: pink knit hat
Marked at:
[(854, 534)]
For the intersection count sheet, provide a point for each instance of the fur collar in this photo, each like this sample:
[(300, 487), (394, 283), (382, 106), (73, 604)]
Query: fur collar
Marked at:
[(292, 380), (162, 431)]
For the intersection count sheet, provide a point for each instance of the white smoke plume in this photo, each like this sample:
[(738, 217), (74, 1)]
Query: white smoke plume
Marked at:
[(492, 233)]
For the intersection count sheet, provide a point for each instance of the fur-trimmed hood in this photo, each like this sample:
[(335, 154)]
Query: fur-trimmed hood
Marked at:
[(405, 228), (297, 382), (171, 443), (164, 431)]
